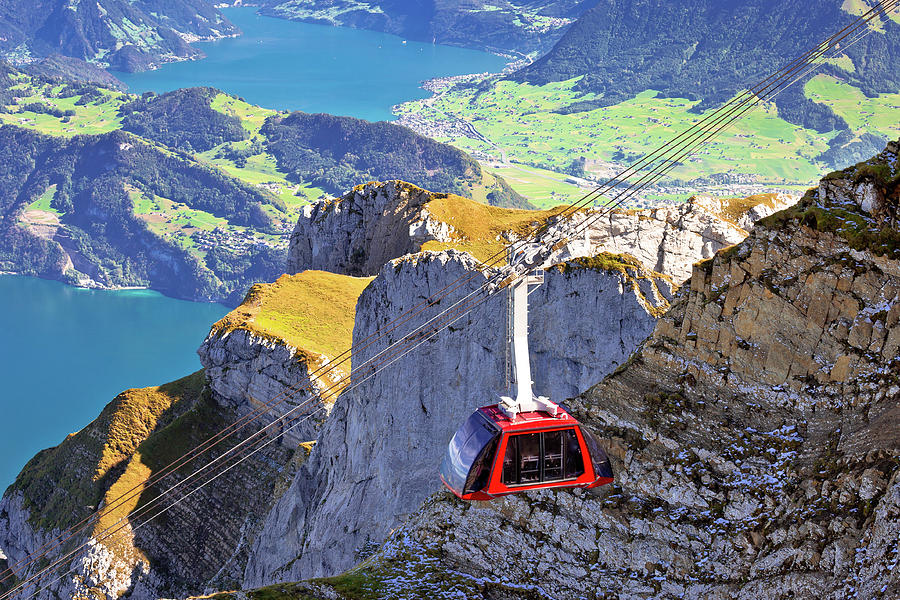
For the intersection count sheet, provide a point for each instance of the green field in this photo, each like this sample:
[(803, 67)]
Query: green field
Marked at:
[(180, 224), (876, 115), (99, 116), (521, 120), (43, 202)]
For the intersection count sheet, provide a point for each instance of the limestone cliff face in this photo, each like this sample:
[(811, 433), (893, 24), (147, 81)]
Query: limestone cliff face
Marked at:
[(358, 233), (247, 373), (754, 434), (670, 239), (377, 456)]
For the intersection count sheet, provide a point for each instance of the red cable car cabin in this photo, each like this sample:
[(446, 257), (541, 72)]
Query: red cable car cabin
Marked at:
[(492, 455)]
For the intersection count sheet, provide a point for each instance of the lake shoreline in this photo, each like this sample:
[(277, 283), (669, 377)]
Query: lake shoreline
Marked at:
[(349, 71)]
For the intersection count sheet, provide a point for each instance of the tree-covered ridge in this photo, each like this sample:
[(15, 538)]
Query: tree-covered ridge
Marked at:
[(336, 153), (91, 209), (708, 50), (508, 26), (182, 119), (126, 35)]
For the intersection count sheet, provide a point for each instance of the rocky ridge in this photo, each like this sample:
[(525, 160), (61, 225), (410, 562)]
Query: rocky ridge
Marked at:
[(590, 314), (357, 233), (754, 435), (376, 457)]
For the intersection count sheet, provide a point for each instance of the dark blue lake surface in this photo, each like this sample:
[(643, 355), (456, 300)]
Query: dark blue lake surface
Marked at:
[(289, 65), (66, 352)]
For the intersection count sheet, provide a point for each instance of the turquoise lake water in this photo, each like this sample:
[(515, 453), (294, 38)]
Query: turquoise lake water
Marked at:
[(66, 352), (289, 65)]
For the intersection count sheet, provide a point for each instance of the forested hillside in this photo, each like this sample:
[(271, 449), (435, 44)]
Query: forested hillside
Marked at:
[(336, 153), (126, 35), (192, 192), (707, 50), (508, 26), (87, 209)]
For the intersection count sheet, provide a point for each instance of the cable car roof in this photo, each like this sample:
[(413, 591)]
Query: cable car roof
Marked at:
[(527, 420)]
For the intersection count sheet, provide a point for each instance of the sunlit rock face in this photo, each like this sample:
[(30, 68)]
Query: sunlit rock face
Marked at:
[(754, 434), (377, 456), (377, 222)]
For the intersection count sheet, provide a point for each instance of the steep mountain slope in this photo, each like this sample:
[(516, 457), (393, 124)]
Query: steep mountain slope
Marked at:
[(82, 224), (138, 434), (507, 26), (359, 232), (375, 459), (707, 50), (754, 435), (269, 345), (124, 35)]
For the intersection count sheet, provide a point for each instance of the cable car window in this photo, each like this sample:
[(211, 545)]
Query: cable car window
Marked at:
[(574, 459), (511, 461), (467, 445), (553, 455), (599, 458), (481, 468), (529, 457)]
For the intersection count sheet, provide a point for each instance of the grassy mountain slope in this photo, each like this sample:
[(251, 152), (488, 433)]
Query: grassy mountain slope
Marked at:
[(143, 431), (313, 311), (127, 35)]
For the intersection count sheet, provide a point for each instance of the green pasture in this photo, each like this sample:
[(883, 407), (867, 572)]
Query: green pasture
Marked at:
[(252, 117), (44, 200), (878, 115), (522, 119), (92, 118)]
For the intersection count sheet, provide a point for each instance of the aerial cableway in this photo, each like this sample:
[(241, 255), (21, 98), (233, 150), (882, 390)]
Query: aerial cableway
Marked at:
[(50, 563)]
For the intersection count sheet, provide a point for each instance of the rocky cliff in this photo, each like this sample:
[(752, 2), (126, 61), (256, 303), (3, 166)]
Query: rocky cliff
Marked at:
[(591, 313), (377, 455), (136, 437), (259, 358), (359, 232), (754, 435)]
